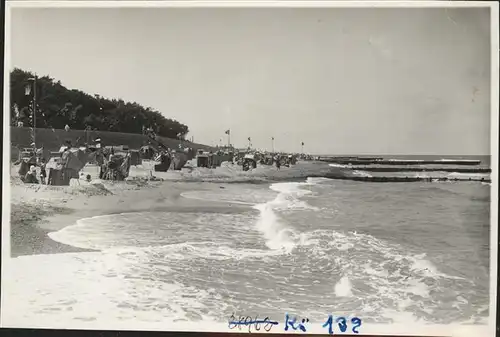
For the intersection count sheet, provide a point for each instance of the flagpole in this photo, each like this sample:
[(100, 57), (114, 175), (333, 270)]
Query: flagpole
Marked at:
[(28, 90), (34, 114), (229, 138), (272, 139)]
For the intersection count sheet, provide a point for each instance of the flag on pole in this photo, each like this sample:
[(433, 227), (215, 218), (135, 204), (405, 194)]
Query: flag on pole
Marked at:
[(302, 143), (228, 132), (249, 139), (272, 138)]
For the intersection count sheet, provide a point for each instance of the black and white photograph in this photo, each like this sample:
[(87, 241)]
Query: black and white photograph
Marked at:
[(283, 168)]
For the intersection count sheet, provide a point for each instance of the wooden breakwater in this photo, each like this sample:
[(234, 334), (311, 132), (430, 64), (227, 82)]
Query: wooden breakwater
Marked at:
[(425, 169), (381, 161), (402, 179)]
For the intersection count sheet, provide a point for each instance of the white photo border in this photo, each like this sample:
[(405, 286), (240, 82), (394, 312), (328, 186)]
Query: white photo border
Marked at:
[(390, 329)]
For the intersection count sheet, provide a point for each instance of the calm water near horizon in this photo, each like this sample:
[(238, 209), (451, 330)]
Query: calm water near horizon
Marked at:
[(391, 252), (485, 159)]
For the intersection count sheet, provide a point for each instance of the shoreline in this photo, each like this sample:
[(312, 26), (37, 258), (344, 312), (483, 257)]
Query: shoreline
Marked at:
[(40, 209), (37, 210), (28, 238), (43, 209)]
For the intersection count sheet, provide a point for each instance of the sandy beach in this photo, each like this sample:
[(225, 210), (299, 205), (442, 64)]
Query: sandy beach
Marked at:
[(182, 245), (37, 210)]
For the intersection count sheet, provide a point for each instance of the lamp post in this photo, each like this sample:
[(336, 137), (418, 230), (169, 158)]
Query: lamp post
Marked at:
[(32, 86)]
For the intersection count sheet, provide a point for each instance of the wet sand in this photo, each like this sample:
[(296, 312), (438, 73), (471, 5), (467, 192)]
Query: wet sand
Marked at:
[(37, 210)]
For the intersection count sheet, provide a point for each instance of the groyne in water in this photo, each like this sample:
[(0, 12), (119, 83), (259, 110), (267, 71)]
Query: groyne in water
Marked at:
[(378, 161), (424, 169), (402, 179)]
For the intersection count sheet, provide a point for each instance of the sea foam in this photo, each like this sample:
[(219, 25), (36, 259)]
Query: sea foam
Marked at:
[(277, 233)]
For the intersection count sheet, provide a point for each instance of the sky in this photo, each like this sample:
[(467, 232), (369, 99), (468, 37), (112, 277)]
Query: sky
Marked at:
[(405, 81)]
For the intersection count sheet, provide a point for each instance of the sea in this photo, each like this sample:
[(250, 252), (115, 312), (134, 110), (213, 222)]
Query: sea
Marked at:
[(384, 252)]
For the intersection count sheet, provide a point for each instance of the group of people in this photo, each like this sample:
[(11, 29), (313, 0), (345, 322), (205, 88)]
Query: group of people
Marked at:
[(277, 159), (165, 158), (47, 175), (114, 166), (284, 160), (31, 176), (29, 160)]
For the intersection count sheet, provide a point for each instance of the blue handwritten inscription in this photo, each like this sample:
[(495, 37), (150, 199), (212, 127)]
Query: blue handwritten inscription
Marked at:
[(292, 323), (266, 323), (342, 324)]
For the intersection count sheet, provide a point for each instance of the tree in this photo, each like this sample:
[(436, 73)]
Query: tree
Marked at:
[(58, 106)]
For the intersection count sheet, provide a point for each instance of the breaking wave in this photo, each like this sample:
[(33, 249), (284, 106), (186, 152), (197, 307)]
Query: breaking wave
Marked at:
[(195, 266)]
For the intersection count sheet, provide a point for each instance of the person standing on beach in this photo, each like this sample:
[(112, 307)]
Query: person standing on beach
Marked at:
[(43, 171)]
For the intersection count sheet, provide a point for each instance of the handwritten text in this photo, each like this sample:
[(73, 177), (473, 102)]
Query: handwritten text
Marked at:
[(266, 323), (334, 324), (342, 324)]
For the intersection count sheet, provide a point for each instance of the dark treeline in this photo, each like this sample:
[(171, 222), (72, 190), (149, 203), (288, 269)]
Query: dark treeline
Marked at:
[(58, 106)]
